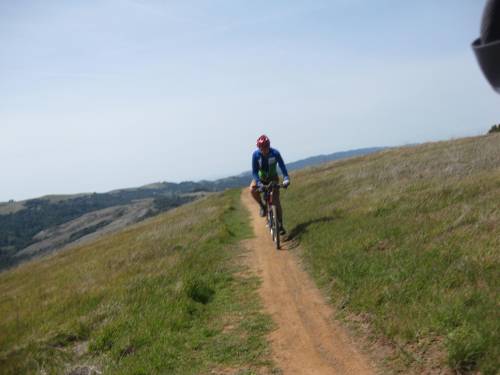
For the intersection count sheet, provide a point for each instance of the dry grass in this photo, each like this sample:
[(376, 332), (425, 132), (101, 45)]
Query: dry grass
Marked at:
[(145, 300), (410, 238), (10, 207)]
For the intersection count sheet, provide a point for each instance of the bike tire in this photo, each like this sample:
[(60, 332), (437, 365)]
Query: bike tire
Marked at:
[(276, 227), (270, 220)]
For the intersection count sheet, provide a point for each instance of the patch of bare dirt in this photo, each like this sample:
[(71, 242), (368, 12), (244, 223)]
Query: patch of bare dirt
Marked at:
[(84, 370), (307, 340), (81, 348)]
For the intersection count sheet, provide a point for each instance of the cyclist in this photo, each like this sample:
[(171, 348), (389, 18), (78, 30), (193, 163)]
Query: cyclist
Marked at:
[(264, 161)]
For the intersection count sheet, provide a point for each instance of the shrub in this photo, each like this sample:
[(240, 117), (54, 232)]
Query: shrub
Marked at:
[(494, 129)]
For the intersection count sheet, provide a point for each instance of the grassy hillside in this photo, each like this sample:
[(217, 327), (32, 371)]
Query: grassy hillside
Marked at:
[(408, 240), (165, 296)]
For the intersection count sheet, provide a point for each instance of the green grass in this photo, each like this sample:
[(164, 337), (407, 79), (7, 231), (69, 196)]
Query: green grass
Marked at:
[(409, 239), (165, 296)]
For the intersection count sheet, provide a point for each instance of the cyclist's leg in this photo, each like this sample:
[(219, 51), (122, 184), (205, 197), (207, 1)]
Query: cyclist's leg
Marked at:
[(255, 192), (279, 213), (257, 197), (277, 202)]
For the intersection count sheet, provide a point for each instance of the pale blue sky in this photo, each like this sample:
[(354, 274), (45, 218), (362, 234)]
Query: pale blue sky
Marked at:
[(98, 95)]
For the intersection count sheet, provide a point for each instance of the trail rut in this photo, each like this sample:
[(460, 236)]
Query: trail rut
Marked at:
[(307, 340)]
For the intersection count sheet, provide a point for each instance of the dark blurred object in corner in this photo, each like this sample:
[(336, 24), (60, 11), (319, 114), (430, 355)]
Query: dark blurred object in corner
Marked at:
[(487, 46)]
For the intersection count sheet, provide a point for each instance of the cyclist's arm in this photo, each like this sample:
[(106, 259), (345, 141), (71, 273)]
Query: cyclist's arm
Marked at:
[(255, 168), (282, 165)]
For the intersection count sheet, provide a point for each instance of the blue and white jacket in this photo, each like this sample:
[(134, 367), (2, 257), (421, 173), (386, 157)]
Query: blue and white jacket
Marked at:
[(264, 167)]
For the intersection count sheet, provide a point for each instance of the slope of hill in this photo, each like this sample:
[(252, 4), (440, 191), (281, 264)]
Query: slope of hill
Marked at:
[(404, 242), (86, 227), (42, 225), (46, 224), (167, 295), (407, 241)]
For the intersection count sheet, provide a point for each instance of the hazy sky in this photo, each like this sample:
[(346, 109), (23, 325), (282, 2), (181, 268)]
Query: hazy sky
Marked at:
[(104, 94)]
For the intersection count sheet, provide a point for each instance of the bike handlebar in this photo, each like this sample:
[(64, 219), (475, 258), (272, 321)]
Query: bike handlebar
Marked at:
[(273, 185)]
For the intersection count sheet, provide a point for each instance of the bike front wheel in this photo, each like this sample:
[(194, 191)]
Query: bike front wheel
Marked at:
[(275, 227)]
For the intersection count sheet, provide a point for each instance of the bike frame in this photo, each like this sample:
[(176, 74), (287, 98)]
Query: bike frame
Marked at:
[(272, 217)]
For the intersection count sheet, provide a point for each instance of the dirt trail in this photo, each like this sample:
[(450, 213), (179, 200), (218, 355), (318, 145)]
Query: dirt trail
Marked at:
[(306, 341)]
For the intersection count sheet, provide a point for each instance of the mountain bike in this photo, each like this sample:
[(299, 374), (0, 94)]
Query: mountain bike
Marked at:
[(272, 211)]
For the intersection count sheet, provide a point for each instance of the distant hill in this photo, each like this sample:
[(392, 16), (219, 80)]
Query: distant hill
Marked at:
[(319, 159), (244, 178), (41, 225)]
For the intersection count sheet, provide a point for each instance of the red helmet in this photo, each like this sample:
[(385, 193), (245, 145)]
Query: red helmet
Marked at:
[(263, 142)]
